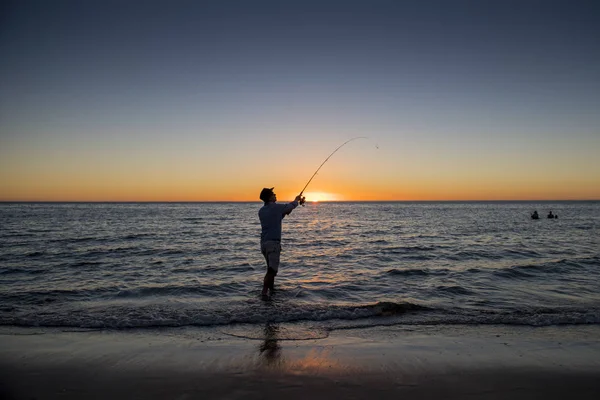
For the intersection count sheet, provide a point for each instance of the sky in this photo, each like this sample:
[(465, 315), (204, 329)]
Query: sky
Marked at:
[(212, 101)]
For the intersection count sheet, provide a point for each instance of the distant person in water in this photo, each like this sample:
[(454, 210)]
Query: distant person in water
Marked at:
[(550, 215), (535, 215), (271, 215)]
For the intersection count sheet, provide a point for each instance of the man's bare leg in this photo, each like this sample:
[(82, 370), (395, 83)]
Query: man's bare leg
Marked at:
[(268, 282)]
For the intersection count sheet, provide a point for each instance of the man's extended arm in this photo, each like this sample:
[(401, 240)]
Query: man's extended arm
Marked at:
[(290, 206)]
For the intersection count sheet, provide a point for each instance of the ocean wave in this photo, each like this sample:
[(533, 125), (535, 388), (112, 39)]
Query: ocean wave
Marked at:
[(533, 270), (455, 289), (84, 239), (535, 317), (395, 257), (465, 255), (194, 219), (593, 261), (407, 249), (517, 253), (115, 291), (409, 272), (514, 272), (77, 264), (37, 297), (131, 316), (111, 251), (133, 236), (387, 308), (16, 234), (526, 317), (29, 271), (127, 315), (179, 290)]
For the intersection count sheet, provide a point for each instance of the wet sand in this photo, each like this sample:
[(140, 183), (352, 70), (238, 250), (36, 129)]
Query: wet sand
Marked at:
[(249, 362)]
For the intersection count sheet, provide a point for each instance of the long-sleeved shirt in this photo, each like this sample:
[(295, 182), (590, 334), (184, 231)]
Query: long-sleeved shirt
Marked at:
[(271, 215)]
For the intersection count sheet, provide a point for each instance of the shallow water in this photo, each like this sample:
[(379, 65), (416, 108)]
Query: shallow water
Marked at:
[(129, 265)]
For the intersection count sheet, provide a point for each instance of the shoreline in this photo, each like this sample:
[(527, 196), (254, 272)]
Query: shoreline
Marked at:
[(489, 362)]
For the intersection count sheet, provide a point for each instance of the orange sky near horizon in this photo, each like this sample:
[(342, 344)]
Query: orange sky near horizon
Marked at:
[(364, 170), (394, 169), (325, 187)]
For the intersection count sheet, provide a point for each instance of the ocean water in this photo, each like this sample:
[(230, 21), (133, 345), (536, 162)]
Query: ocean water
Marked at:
[(344, 265)]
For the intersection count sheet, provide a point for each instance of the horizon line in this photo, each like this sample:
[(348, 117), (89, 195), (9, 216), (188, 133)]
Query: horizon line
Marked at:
[(309, 202)]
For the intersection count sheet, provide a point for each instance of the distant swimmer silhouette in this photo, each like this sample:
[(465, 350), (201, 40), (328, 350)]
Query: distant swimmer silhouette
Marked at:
[(535, 215), (550, 215)]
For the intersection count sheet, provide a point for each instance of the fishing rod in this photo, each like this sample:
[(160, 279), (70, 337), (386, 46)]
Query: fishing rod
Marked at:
[(302, 200)]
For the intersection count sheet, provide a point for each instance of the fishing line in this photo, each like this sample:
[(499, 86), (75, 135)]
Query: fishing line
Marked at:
[(323, 163)]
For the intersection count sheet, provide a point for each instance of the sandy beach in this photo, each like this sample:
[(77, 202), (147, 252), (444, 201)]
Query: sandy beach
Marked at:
[(294, 361)]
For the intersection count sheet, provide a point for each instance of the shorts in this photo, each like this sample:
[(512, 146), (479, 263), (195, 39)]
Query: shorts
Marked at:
[(271, 250)]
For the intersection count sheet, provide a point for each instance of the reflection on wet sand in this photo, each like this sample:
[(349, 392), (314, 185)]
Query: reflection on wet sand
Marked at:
[(270, 350), (316, 360)]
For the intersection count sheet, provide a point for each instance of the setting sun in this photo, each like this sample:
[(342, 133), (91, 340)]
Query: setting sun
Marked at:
[(315, 197)]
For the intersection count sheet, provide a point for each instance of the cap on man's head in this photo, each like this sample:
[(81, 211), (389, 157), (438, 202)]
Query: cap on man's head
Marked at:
[(266, 194)]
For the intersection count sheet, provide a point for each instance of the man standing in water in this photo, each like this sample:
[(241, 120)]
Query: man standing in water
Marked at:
[(271, 215)]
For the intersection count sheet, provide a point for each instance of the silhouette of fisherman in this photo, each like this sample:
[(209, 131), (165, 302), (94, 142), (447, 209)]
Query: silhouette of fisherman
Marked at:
[(271, 215)]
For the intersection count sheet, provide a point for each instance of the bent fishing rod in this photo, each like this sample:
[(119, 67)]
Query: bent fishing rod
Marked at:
[(302, 200)]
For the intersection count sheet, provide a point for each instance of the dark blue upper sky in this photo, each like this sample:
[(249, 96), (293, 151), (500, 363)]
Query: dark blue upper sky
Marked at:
[(547, 46)]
